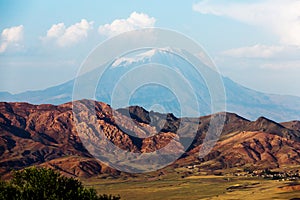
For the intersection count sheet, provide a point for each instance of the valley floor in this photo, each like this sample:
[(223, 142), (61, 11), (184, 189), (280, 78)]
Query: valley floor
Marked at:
[(197, 187)]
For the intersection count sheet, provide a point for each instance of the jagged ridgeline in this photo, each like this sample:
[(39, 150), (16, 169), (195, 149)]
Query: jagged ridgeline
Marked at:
[(46, 135)]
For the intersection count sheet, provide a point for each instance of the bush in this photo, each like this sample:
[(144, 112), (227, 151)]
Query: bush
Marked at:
[(40, 183)]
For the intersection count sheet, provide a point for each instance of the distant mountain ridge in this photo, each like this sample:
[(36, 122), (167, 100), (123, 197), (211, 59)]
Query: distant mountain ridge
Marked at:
[(239, 99), (46, 135)]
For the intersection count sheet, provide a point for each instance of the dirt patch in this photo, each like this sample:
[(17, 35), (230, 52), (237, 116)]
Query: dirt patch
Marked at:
[(290, 188)]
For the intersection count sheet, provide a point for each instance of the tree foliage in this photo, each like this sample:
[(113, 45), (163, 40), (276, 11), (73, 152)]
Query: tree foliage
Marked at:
[(40, 183)]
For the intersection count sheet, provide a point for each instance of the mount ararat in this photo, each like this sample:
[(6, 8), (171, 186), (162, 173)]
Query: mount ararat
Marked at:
[(239, 99)]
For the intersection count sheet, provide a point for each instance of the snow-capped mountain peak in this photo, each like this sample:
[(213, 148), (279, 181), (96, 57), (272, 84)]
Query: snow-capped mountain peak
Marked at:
[(140, 56)]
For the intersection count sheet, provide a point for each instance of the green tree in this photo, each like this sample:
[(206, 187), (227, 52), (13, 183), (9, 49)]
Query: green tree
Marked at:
[(40, 183)]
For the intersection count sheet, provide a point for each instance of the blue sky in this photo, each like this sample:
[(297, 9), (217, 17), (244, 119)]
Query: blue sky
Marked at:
[(255, 43)]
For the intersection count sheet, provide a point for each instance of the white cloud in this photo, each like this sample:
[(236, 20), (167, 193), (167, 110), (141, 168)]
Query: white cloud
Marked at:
[(277, 52), (256, 51), (134, 21), (3, 47), (281, 17), (277, 58), (283, 65), (67, 36), (56, 30), (11, 37)]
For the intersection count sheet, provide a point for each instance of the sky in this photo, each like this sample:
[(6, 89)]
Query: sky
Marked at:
[(255, 43)]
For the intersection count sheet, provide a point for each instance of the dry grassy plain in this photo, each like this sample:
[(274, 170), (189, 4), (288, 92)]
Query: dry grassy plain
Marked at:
[(197, 187)]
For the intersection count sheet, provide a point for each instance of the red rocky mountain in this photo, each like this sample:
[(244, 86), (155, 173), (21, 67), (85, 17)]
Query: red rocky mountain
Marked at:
[(47, 135)]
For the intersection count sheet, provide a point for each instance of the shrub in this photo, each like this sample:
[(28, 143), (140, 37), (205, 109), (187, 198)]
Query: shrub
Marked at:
[(42, 184)]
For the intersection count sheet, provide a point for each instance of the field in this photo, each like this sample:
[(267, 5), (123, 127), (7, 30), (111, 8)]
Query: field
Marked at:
[(197, 187)]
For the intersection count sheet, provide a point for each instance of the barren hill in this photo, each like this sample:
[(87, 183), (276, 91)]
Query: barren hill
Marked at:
[(47, 135)]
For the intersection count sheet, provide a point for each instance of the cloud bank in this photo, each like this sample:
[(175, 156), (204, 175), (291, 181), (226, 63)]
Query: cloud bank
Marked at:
[(255, 51), (281, 17)]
